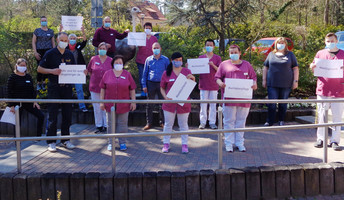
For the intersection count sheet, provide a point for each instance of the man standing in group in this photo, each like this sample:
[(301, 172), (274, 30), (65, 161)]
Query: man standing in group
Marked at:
[(145, 51), (329, 88), (154, 67), (109, 36), (50, 65), (208, 87)]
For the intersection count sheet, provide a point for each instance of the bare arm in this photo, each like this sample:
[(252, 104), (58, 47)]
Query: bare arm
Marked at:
[(220, 83), (53, 41), (265, 72), (102, 94), (34, 47), (83, 33), (296, 77), (132, 97)]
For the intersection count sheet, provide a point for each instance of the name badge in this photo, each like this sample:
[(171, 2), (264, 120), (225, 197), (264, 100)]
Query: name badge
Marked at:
[(28, 81), (172, 79), (122, 77), (63, 63), (48, 34), (245, 73), (78, 46), (111, 34), (285, 58), (97, 63)]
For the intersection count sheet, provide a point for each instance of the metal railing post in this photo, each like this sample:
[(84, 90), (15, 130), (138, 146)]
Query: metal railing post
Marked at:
[(219, 137), (113, 130), (19, 167), (325, 136)]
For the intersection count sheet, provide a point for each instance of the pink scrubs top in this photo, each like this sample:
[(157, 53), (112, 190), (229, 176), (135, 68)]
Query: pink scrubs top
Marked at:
[(146, 51), (330, 87), (242, 71), (166, 83), (207, 81), (97, 70), (117, 88)]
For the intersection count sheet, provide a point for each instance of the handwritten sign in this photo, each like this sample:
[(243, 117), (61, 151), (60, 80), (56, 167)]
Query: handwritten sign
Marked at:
[(328, 68), (238, 88), (72, 74), (181, 89), (137, 39), (199, 65), (8, 116), (71, 23)]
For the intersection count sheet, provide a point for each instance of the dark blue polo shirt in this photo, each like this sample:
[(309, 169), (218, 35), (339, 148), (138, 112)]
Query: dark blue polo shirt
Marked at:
[(52, 59)]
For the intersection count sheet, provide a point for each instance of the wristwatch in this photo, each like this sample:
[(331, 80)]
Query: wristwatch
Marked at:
[(296, 81)]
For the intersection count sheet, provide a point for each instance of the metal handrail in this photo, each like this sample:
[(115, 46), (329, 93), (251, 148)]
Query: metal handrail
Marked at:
[(113, 135)]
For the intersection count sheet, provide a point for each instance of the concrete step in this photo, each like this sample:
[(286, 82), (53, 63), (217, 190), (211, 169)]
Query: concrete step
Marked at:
[(309, 119)]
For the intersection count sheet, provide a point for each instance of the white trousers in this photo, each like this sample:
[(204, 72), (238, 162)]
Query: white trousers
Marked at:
[(99, 115), (234, 117), (169, 122), (337, 111), (208, 95)]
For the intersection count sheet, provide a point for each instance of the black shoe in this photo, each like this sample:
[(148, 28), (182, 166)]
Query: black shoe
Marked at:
[(318, 144), (104, 129), (335, 146), (99, 129)]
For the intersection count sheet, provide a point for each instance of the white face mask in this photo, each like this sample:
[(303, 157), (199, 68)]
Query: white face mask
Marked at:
[(118, 67), (148, 31), (21, 69), (63, 45)]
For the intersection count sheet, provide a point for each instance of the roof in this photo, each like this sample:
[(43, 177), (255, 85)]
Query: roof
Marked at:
[(150, 10)]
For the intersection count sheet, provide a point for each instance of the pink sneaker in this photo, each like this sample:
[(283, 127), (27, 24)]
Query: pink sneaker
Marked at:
[(185, 148), (165, 148)]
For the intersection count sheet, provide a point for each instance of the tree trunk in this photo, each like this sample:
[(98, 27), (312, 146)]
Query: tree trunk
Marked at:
[(326, 11)]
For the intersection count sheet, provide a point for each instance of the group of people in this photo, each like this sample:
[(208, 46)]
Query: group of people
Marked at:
[(157, 74)]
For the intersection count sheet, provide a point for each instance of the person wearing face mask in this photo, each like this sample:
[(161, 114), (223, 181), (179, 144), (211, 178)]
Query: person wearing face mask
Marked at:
[(42, 40), (174, 69), (329, 88), (280, 76), (144, 52), (20, 86), (118, 84), (76, 48), (96, 68), (50, 65), (208, 87), (235, 114), (109, 36), (154, 66)]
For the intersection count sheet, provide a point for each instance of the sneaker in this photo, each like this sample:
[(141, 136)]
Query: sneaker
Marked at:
[(99, 129), (281, 123), (241, 148), (68, 145), (335, 146), (201, 126), (213, 126), (267, 124), (109, 147), (122, 147), (165, 148), (52, 147), (185, 148), (84, 110), (229, 148), (148, 126), (104, 129), (318, 144)]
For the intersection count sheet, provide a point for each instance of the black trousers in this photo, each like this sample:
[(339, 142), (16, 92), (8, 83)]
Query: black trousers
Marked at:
[(153, 89), (59, 92), (41, 77), (37, 113)]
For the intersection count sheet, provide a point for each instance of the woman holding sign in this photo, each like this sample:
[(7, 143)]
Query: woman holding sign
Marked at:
[(173, 70), (235, 114), (20, 86), (118, 84), (98, 65), (280, 75)]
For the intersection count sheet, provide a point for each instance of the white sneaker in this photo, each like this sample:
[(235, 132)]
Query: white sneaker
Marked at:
[(229, 148), (242, 148), (52, 147), (201, 126), (109, 148), (68, 145)]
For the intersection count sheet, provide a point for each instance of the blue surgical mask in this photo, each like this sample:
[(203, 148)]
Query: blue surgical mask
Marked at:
[(102, 52), (177, 63), (234, 57), (107, 25), (44, 23), (72, 42), (331, 45), (209, 49), (156, 51), (280, 46)]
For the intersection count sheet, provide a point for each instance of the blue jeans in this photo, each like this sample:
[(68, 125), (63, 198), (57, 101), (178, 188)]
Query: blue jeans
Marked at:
[(277, 93), (80, 94), (140, 67)]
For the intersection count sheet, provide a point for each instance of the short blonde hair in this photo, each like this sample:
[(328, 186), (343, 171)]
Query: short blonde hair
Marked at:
[(281, 39)]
